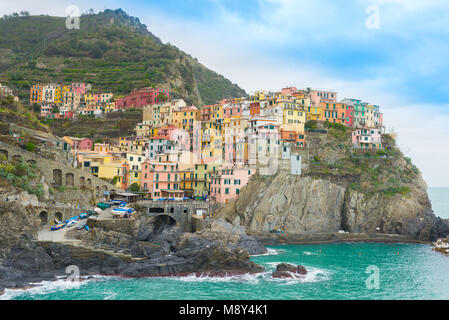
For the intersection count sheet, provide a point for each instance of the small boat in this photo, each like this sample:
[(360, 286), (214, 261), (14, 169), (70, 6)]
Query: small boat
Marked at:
[(57, 227), (103, 206), (72, 219), (71, 223), (123, 210), (84, 215), (86, 227)]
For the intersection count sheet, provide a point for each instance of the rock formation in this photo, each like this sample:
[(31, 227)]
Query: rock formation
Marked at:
[(285, 270), (342, 189)]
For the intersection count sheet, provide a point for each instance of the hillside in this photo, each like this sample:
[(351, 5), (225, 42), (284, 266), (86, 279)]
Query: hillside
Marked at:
[(13, 112), (111, 50)]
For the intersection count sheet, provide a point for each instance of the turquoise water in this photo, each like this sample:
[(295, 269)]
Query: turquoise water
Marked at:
[(336, 271), (440, 201)]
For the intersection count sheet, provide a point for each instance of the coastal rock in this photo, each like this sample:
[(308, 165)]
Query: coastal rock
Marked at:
[(228, 235), (290, 203), (285, 270), (327, 203)]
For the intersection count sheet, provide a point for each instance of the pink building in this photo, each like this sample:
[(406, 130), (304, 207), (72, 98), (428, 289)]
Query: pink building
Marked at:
[(84, 144), (161, 179), (226, 185), (289, 90), (79, 88), (232, 110), (367, 138), (46, 110), (318, 96), (141, 97)]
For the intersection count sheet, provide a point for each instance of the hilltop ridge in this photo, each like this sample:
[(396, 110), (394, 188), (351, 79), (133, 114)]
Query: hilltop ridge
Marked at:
[(111, 51)]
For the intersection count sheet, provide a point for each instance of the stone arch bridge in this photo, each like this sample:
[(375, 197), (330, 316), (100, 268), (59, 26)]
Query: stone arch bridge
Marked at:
[(181, 212), (57, 174)]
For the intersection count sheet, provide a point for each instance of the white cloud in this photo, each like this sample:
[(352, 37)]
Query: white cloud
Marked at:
[(236, 46)]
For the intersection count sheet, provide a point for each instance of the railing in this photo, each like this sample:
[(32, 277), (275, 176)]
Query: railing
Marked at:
[(167, 202)]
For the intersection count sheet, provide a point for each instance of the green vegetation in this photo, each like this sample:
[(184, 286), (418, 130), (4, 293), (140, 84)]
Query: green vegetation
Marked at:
[(30, 146), (115, 124), (135, 187), (14, 112), (369, 172), (339, 131), (112, 51), (21, 176)]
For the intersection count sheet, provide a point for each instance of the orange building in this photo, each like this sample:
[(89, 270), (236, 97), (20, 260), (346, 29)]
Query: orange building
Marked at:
[(36, 94), (333, 112), (295, 138), (254, 109)]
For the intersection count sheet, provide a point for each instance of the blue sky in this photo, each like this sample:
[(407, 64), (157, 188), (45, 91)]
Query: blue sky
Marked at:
[(267, 44)]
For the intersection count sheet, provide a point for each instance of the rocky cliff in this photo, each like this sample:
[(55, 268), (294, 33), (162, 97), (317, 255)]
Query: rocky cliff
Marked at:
[(139, 247), (340, 189)]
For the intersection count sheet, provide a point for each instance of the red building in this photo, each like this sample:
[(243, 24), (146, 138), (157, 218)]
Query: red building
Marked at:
[(141, 97), (349, 115)]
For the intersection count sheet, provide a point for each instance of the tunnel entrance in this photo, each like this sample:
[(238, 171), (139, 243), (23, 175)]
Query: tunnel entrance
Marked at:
[(43, 216), (162, 223), (156, 210)]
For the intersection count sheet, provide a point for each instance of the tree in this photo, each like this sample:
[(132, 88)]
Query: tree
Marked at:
[(162, 97), (135, 187)]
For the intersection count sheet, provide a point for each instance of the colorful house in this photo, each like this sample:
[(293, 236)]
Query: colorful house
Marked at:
[(142, 97), (367, 138), (36, 94), (226, 185), (161, 180)]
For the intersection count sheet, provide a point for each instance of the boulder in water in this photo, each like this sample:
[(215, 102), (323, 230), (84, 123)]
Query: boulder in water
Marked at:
[(285, 270)]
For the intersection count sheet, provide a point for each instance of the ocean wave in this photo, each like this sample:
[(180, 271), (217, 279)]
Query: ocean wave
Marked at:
[(247, 278), (313, 274), (308, 253), (46, 287), (270, 252)]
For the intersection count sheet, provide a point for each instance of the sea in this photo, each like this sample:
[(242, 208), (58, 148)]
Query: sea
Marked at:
[(346, 271)]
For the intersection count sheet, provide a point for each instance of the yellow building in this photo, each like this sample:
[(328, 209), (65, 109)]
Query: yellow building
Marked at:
[(211, 141), (135, 167), (314, 112), (217, 113), (58, 94), (186, 184), (201, 178), (294, 118), (185, 118), (110, 170)]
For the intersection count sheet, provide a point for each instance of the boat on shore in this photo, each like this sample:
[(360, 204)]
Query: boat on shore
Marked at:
[(57, 227)]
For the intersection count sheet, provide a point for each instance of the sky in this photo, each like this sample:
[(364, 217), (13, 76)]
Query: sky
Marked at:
[(392, 53)]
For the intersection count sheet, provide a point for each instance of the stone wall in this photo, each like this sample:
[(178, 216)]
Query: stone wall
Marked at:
[(57, 174)]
